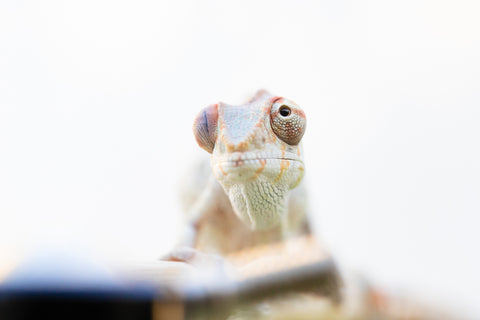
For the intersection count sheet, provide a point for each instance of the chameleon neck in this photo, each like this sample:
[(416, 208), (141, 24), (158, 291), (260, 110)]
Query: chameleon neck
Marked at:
[(259, 196)]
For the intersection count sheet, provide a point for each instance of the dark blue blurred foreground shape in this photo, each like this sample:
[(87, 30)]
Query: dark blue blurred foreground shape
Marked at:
[(63, 286)]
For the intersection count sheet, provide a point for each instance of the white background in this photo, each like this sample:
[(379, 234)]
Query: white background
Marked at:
[(97, 99)]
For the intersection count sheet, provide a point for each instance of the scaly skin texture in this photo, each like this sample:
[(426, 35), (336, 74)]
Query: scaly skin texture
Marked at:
[(255, 195)]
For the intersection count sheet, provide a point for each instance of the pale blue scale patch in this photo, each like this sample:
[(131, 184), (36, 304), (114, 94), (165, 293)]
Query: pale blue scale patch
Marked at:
[(239, 122)]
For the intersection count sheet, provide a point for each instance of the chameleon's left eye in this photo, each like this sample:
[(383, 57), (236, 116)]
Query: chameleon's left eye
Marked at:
[(205, 127), (288, 121)]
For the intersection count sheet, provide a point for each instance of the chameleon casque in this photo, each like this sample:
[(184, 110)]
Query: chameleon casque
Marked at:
[(254, 195)]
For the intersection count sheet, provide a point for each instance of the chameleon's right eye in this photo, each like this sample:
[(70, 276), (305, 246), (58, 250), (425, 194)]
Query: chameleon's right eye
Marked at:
[(205, 127), (288, 121)]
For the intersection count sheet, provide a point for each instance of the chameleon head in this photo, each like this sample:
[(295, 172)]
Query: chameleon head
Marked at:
[(256, 154)]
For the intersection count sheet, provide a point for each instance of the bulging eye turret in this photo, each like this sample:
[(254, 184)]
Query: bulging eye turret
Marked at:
[(288, 121), (205, 127)]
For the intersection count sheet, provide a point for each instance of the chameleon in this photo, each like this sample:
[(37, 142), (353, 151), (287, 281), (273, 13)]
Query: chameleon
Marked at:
[(251, 195), (253, 192)]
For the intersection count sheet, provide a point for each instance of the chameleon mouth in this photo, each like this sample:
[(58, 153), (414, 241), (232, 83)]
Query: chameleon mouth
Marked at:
[(268, 170), (254, 161)]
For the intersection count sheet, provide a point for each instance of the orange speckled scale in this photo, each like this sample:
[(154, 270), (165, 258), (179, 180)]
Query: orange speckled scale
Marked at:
[(263, 162), (221, 170), (284, 164)]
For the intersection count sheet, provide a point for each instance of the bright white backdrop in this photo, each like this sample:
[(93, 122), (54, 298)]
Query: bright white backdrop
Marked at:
[(97, 101)]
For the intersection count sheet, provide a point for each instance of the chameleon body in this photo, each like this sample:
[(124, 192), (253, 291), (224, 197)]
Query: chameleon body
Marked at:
[(254, 195)]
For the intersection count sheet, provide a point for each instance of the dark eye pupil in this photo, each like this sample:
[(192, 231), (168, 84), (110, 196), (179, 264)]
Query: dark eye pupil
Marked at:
[(285, 111)]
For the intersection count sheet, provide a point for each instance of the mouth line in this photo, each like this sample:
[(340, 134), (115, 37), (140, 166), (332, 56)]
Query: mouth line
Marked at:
[(257, 159)]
